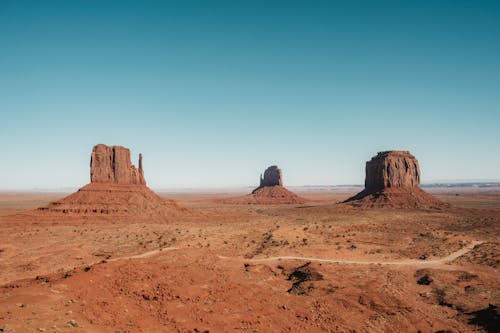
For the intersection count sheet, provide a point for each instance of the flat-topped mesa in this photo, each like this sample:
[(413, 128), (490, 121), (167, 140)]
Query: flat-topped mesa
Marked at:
[(111, 164), (390, 169), (272, 177), (393, 180)]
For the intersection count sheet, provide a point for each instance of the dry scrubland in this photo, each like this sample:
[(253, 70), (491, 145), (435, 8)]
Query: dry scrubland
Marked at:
[(228, 268)]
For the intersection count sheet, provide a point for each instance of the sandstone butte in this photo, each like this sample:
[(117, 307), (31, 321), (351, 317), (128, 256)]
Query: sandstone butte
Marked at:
[(116, 189), (112, 165), (270, 191), (272, 177), (393, 180)]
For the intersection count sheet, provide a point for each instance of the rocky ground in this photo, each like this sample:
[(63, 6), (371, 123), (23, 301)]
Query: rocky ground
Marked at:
[(320, 266)]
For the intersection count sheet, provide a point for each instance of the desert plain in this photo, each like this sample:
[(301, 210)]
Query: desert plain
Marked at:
[(320, 266)]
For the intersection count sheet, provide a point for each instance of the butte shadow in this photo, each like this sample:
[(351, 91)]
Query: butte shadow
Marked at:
[(270, 191), (117, 189), (393, 181)]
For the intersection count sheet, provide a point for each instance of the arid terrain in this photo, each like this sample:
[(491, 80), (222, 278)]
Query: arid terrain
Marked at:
[(320, 266)]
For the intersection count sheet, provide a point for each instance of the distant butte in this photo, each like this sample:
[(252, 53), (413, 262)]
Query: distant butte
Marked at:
[(393, 180), (272, 177), (270, 191)]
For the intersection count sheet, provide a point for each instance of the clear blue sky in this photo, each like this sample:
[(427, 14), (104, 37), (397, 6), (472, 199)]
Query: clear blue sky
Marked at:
[(212, 92)]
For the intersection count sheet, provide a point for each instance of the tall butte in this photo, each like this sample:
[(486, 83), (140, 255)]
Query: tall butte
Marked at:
[(393, 180), (117, 189), (272, 177), (112, 165)]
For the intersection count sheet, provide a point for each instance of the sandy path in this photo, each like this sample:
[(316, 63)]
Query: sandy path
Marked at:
[(406, 262), (145, 254), (438, 262)]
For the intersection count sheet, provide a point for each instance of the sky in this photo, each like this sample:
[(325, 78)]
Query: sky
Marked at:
[(213, 92)]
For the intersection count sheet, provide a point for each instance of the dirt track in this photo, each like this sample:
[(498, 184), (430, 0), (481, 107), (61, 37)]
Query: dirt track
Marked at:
[(434, 263)]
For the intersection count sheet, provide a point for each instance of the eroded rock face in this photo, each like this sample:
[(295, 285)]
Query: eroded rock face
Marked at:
[(272, 177), (393, 181), (117, 190), (111, 164), (389, 169), (270, 191)]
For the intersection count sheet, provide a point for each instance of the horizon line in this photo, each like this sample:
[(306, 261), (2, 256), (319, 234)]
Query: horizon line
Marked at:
[(434, 183)]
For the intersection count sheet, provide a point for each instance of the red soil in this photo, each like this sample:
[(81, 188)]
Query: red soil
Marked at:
[(320, 267)]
